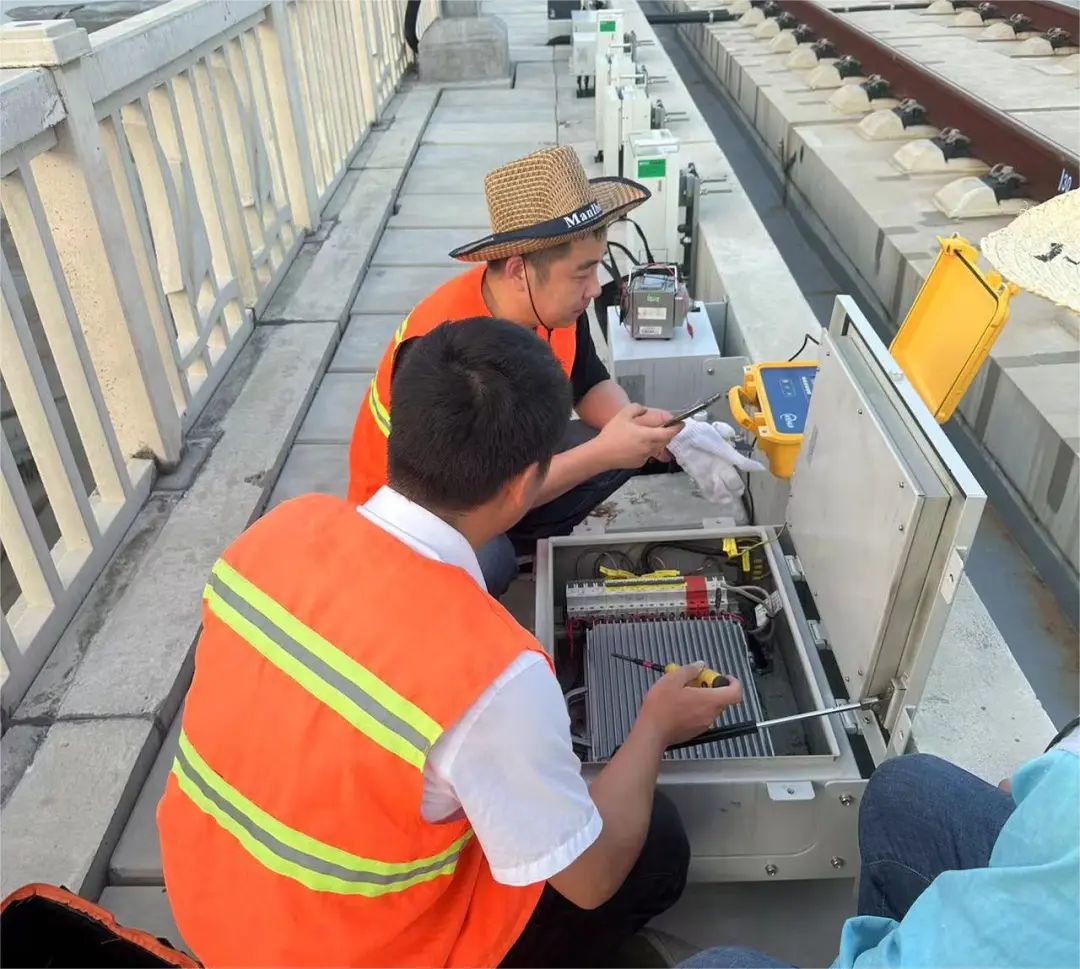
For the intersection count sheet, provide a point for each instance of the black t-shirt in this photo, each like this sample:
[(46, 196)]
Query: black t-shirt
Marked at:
[(588, 369)]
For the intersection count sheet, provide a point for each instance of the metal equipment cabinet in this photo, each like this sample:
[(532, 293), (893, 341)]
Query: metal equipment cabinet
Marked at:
[(866, 563)]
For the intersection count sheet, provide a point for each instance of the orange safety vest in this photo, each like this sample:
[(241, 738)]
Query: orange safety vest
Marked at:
[(332, 657), (461, 298)]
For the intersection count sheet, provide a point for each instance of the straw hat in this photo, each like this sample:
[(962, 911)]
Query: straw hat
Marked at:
[(1040, 250), (541, 200)]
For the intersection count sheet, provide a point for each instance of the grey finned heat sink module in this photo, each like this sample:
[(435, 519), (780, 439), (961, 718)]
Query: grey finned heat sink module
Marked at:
[(615, 689)]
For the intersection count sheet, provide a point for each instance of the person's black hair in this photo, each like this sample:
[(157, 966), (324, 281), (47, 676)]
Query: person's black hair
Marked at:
[(474, 404)]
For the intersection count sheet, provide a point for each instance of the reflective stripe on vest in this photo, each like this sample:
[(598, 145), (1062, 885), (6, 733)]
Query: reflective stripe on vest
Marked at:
[(379, 712), (378, 408), (288, 852)]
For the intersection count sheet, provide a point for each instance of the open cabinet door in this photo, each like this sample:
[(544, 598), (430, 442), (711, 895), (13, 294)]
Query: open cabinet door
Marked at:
[(882, 514)]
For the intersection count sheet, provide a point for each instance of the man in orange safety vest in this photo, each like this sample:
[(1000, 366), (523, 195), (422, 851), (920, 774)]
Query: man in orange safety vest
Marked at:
[(375, 764)]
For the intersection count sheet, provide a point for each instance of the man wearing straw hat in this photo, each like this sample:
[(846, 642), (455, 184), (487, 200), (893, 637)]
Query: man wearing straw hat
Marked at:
[(537, 268)]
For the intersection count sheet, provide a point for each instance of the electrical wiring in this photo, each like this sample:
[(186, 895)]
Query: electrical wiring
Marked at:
[(705, 550), (641, 235), (754, 593), (807, 338), (628, 253), (766, 541), (612, 555)]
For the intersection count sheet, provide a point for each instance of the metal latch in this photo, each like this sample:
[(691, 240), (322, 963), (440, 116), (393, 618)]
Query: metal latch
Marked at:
[(950, 579), (795, 567), (790, 790)]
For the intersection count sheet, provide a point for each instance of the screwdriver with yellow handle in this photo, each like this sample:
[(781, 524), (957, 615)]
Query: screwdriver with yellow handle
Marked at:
[(706, 678)]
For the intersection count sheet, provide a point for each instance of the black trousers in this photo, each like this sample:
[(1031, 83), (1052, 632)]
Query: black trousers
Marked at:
[(560, 515), (561, 934)]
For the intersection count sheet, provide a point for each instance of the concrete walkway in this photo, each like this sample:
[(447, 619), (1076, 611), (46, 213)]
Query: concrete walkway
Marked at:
[(358, 276), (441, 205)]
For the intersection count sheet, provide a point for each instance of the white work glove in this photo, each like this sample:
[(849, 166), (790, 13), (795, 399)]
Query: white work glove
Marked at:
[(704, 451)]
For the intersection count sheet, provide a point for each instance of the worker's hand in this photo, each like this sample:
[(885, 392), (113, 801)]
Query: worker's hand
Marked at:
[(676, 710), (626, 442), (657, 417)]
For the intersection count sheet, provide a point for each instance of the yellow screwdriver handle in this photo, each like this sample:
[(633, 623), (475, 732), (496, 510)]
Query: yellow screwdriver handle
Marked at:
[(706, 678)]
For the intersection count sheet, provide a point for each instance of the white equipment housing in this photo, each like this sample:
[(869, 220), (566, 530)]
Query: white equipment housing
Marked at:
[(881, 514), (653, 158), (609, 31), (583, 34), (670, 373), (611, 69), (628, 111)]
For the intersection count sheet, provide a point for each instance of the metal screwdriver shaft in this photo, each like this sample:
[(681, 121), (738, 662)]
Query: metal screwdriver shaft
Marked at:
[(744, 727)]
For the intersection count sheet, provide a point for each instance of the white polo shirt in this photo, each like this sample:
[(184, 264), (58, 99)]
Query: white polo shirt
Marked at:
[(508, 763)]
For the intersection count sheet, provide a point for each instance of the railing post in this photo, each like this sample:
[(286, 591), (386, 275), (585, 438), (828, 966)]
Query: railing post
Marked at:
[(284, 85), (84, 214)]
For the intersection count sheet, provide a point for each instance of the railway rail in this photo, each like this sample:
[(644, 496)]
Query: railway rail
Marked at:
[(1024, 162)]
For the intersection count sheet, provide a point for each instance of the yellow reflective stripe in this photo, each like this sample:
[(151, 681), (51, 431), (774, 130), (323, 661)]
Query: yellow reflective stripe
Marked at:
[(329, 654), (284, 850), (378, 409), (317, 687), (380, 413), (297, 839)]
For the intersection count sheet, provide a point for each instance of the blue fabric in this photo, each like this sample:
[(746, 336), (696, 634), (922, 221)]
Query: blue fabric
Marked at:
[(956, 873), (498, 565), (921, 816), (1019, 910)]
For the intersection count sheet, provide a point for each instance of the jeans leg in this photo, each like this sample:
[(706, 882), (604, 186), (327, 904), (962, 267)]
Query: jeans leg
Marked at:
[(921, 816), (732, 957), (561, 934), (498, 564)]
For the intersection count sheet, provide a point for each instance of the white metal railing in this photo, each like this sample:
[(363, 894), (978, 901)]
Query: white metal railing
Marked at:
[(157, 179)]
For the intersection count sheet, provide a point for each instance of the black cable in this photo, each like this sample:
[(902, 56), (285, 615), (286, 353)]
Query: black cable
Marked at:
[(629, 254), (641, 234), (1063, 733), (802, 346), (614, 554)]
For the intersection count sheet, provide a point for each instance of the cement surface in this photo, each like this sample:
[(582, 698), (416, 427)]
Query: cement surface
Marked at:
[(63, 818), (418, 247), (392, 290), (137, 858), (332, 414), (321, 468), (478, 132), (464, 213), (364, 342)]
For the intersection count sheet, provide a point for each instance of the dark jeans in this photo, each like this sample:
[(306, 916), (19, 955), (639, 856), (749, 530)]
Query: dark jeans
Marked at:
[(561, 934), (498, 558), (920, 816)]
